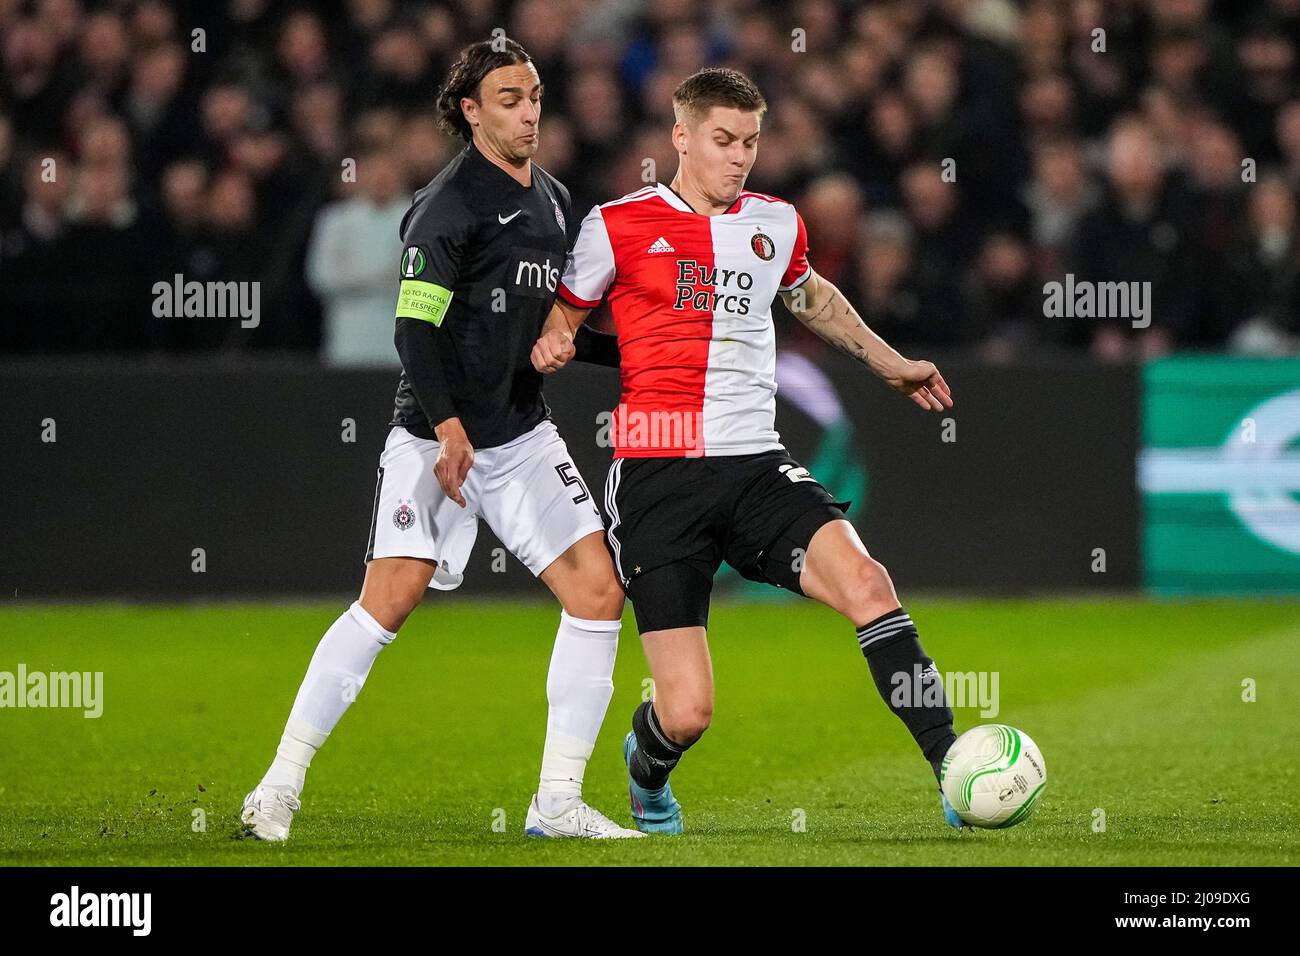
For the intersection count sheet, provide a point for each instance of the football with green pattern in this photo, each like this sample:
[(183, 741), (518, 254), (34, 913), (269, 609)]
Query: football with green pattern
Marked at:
[(994, 776)]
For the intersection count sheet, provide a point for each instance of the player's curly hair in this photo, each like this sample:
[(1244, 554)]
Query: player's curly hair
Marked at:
[(716, 86), (475, 62)]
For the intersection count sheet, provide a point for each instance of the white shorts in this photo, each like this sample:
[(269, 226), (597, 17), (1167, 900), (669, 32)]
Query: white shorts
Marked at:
[(528, 491)]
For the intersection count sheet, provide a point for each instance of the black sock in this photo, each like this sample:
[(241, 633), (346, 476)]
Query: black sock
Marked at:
[(894, 653), (655, 755)]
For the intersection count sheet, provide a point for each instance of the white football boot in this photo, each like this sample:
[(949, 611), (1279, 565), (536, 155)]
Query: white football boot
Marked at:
[(268, 811), (579, 821)]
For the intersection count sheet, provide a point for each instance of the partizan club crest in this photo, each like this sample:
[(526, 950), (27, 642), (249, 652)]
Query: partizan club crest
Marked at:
[(763, 246), (404, 516), (559, 215)]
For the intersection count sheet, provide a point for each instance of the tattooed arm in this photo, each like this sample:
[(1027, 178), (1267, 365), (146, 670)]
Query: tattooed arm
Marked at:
[(822, 307)]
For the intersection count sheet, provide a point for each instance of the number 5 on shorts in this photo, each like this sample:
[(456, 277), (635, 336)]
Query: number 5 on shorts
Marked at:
[(563, 470)]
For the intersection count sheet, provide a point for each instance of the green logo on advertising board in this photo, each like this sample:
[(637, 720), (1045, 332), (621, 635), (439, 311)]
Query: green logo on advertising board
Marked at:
[(1220, 475)]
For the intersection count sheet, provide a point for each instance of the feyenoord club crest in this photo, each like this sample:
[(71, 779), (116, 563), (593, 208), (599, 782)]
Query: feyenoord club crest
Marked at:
[(404, 516), (763, 246), (559, 215)]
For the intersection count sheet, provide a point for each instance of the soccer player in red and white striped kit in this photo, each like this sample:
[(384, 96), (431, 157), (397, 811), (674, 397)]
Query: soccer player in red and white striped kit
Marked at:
[(700, 476)]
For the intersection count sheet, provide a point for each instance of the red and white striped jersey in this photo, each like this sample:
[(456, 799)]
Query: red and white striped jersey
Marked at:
[(691, 296)]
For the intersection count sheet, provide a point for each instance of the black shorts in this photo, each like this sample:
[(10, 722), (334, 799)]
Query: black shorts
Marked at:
[(672, 521)]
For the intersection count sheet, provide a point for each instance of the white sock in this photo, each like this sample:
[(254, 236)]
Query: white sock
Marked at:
[(579, 685), (335, 676)]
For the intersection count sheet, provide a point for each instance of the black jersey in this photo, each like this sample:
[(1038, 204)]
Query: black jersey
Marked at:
[(481, 263)]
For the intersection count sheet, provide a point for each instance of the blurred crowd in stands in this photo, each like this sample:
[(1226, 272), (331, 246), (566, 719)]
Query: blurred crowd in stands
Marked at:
[(949, 157)]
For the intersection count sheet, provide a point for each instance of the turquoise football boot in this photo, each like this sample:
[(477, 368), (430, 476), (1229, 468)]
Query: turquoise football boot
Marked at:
[(950, 815), (653, 811)]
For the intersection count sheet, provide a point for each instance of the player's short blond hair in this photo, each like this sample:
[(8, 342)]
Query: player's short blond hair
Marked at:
[(715, 86)]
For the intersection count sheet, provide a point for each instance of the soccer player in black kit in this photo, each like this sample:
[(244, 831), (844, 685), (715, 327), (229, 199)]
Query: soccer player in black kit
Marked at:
[(485, 243)]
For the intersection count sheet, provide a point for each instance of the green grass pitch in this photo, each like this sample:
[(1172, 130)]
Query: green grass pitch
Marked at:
[(1137, 706)]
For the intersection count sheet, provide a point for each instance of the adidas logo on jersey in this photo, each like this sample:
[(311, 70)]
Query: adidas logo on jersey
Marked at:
[(660, 245)]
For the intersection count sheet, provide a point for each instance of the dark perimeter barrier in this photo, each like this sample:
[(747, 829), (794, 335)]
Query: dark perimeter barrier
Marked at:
[(210, 479)]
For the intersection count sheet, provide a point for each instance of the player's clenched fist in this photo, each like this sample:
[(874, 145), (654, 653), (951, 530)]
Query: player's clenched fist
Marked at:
[(455, 456), (553, 351)]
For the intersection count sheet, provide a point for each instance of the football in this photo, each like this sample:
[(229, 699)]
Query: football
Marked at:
[(994, 776)]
